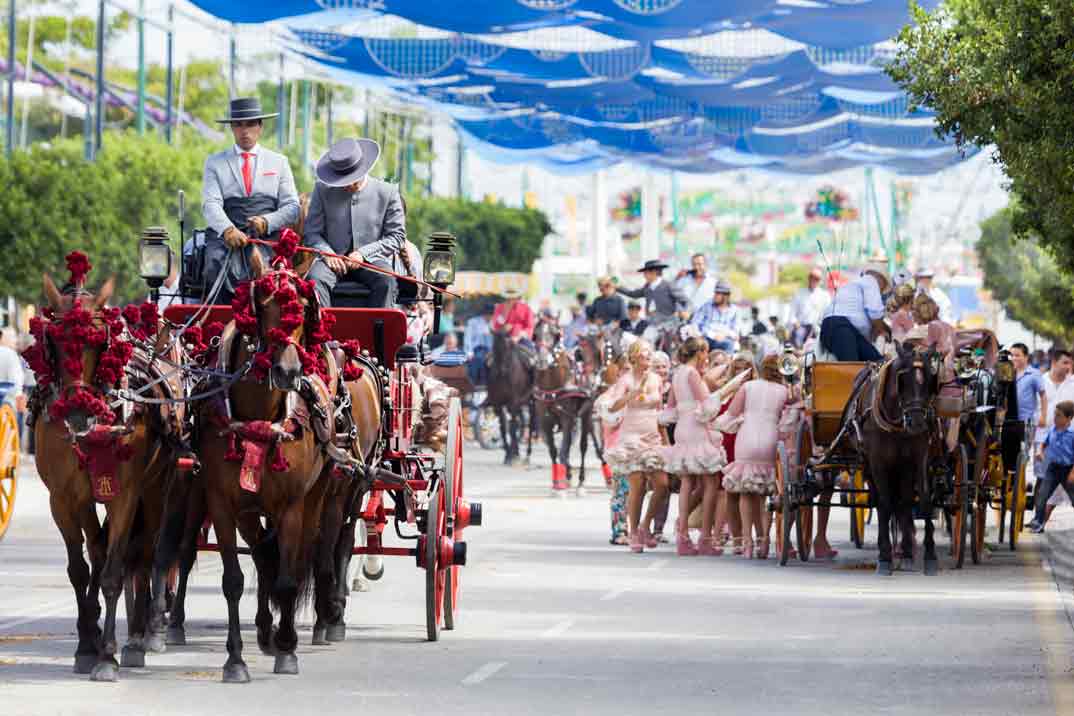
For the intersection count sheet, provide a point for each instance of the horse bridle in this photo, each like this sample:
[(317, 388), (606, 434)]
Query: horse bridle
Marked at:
[(922, 407)]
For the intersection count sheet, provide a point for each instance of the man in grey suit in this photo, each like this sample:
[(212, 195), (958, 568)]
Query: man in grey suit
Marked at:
[(663, 301), (246, 190), (357, 216)]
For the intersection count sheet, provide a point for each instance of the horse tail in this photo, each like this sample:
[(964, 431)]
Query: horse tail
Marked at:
[(268, 553)]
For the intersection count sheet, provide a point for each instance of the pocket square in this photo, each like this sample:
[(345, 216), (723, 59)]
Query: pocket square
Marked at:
[(269, 174)]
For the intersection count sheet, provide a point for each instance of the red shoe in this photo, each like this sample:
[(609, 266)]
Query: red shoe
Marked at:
[(684, 547)]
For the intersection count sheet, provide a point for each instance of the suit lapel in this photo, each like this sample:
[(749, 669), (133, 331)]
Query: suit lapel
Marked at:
[(355, 202), (233, 160)]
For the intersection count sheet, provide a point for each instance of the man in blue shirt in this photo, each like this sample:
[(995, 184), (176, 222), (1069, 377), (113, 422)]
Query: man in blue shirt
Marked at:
[(1058, 451), (855, 318), (1029, 392), (477, 342), (718, 320)]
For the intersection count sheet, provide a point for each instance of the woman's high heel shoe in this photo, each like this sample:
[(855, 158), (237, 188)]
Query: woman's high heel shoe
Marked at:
[(762, 549), (684, 547), (736, 546), (636, 545), (747, 548), (706, 548)]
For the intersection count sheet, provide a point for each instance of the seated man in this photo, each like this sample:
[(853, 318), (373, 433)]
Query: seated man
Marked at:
[(357, 216), (247, 191), (449, 353), (516, 318), (855, 318)]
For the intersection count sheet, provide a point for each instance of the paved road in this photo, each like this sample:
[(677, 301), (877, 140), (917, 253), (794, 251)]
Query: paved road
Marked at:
[(556, 621)]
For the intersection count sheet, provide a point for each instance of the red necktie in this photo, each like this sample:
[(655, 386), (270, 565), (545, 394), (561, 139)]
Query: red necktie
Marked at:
[(247, 172)]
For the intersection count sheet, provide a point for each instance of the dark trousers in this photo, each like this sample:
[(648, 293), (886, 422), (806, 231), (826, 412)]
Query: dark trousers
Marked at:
[(715, 345), (381, 287), (1014, 432), (1054, 476), (839, 337), (477, 368)]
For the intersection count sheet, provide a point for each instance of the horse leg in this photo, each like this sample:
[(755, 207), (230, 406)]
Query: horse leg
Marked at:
[(325, 576), (165, 556), (883, 509), (266, 557), (532, 430), (566, 426), (501, 413), (905, 513), (287, 587), (79, 574), (931, 565), (583, 446), (338, 601), (188, 554), (121, 517), (231, 584)]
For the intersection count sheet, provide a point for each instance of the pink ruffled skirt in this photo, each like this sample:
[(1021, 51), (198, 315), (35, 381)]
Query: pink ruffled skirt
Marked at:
[(633, 453), (752, 478)]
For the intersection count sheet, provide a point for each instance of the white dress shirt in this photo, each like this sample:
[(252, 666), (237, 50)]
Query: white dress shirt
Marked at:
[(808, 306), (859, 302), (11, 370), (698, 294)]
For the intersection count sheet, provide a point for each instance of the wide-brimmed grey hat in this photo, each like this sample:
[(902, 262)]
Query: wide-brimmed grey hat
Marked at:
[(347, 161), (245, 109), (653, 265)]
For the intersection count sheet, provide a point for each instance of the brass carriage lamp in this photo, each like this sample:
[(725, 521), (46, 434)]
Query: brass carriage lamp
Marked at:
[(439, 265), (154, 256)]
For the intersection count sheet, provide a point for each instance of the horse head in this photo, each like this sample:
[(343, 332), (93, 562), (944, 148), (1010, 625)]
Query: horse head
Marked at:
[(554, 367), (916, 373), (71, 339), (280, 309)]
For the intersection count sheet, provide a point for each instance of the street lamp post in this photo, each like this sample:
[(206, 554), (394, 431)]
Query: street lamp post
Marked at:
[(98, 118)]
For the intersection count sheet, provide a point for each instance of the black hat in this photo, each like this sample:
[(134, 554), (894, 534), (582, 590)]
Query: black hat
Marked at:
[(653, 265), (245, 109), (347, 161)]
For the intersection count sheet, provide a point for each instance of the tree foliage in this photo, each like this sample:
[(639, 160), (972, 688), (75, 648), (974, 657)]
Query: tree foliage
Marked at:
[(1002, 74), (1024, 277), (54, 202), (491, 236)]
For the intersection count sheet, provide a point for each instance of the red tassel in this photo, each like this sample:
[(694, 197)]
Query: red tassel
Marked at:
[(279, 462), (233, 453)]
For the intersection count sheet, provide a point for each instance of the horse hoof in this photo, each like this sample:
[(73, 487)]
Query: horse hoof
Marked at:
[(370, 574), (360, 584), (579, 491), (336, 632), (286, 664), (176, 636), (906, 564), (883, 569), (156, 643), (236, 673), (932, 567), (319, 636), (84, 663), (132, 658), (105, 671)]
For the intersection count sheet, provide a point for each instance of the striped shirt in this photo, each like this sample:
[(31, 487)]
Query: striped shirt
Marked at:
[(859, 302)]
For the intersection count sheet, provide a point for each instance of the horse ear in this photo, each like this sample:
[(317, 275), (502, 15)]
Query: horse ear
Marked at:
[(257, 264), (52, 294), (104, 295)]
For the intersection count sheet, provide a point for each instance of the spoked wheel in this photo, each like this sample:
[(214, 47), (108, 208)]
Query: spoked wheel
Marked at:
[(803, 523), (960, 516), (487, 429), (9, 465), (435, 528), (1018, 500), (859, 513), (452, 499), (785, 517)]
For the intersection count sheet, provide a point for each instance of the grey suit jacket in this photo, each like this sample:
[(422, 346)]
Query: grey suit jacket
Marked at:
[(222, 179), (663, 300), (371, 221)]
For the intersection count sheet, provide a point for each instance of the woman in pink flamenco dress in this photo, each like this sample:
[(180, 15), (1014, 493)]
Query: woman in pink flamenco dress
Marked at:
[(698, 450), (639, 452), (756, 413)]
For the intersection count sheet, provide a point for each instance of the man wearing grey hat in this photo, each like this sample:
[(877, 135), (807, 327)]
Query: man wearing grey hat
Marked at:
[(247, 191), (357, 216)]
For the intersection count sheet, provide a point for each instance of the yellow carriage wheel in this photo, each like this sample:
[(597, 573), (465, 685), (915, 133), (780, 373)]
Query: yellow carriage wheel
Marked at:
[(9, 465), (1017, 496), (859, 513)]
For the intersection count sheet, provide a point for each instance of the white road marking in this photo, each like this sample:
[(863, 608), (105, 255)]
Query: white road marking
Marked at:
[(558, 630), (483, 673), (613, 594), (658, 564)]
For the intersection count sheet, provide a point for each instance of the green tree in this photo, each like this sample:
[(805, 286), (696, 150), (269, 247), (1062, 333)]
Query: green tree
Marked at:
[(1002, 74), (491, 237), (1024, 277), (55, 202)]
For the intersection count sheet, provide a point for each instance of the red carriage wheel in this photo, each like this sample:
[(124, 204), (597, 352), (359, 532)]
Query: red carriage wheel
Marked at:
[(435, 535), (453, 495)]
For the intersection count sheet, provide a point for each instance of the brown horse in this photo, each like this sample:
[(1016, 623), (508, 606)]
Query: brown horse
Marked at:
[(85, 455), (263, 413), (510, 392)]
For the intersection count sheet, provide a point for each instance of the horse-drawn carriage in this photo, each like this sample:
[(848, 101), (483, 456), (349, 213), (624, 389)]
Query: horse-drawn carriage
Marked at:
[(269, 418), (9, 461), (833, 454)]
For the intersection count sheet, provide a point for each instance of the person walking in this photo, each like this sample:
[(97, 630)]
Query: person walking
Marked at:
[(756, 414), (1029, 393), (1058, 386), (618, 484), (741, 367), (697, 455), (639, 451), (1058, 451)]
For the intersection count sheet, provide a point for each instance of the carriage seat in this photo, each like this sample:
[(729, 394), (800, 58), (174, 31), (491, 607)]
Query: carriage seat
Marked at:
[(349, 294)]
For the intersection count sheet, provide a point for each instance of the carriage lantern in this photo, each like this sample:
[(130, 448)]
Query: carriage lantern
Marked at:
[(790, 365), (154, 256), (440, 259), (1005, 372)]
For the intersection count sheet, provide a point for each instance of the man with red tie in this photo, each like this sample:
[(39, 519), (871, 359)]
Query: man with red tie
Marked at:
[(247, 191)]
